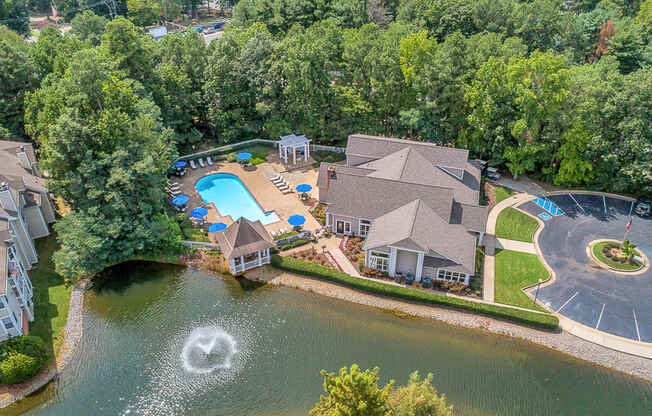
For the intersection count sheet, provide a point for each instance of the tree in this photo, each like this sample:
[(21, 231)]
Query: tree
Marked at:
[(628, 249), (17, 77), (53, 51), (352, 393), (574, 168), (88, 26), (144, 12), (418, 398), (182, 60), (630, 47), (14, 15), (131, 49), (106, 151)]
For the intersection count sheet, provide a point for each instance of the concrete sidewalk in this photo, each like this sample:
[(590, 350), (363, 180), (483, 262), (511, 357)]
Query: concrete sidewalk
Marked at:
[(514, 245)]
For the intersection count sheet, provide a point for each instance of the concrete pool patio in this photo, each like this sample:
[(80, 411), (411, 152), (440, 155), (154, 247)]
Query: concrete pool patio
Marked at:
[(257, 181)]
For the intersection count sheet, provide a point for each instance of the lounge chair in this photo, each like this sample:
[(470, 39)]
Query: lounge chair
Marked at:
[(201, 162), (279, 179), (174, 187), (209, 160), (286, 191), (273, 233), (174, 193), (173, 183), (192, 164)]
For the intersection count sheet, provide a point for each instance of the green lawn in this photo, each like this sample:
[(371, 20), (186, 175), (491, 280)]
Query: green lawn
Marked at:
[(515, 225), (501, 193), (51, 297), (515, 270)]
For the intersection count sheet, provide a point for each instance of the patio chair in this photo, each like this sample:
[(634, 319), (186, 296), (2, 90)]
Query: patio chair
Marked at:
[(201, 162), (209, 160), (192, 164)]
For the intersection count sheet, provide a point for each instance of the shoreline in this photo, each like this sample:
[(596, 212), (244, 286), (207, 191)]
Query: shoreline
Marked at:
[(10, 394), (562, 341)]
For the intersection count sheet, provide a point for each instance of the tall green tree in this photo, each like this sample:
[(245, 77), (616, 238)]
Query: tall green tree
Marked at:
[(418, 398), (88, 26), (107, 153), (17, 77), (352, 393), (15, 15)]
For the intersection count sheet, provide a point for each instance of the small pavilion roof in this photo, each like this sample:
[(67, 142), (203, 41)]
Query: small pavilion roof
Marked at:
[(293, 140), (243, 237)]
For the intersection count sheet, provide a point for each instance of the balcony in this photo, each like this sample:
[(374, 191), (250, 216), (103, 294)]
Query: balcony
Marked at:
[(243, 267)]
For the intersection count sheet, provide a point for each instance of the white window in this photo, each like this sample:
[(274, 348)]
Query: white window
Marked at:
[(450, 276), (8, 323), (364, 227), (379, 261)]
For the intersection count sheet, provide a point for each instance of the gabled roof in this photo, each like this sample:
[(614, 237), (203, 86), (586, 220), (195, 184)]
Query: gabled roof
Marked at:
[(353, 192), (244, 237), (294, 140), (409, 165), (416, 226), (375, 147)]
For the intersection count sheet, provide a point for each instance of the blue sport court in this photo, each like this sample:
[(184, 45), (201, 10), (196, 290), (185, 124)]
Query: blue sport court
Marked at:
[(549, 206)]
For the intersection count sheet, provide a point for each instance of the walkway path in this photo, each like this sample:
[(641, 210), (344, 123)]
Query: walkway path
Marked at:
[(562, 341), (514, 245)]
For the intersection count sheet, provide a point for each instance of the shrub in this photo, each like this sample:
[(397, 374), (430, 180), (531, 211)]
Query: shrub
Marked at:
[(21, 358), (308, 269), (295, 243)]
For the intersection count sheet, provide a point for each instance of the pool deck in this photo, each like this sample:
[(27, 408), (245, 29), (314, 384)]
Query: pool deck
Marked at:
[(256, 179)]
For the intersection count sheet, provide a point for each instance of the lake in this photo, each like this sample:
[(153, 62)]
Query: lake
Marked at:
[(269, 343)]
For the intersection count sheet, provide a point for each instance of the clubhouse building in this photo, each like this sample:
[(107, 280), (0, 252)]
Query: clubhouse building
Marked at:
[(415, 203)]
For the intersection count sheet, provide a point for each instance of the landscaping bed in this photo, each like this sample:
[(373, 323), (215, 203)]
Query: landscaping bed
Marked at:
[(515, 225), (301, 267), (313, 256), (515, 270), (319, 213), (610, 253)]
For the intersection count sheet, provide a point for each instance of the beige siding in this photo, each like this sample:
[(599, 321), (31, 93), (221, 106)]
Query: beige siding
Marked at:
[(46, 208), (406, 262), (353, 221)]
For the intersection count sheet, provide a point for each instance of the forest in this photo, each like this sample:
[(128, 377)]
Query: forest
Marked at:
[(558, 90)]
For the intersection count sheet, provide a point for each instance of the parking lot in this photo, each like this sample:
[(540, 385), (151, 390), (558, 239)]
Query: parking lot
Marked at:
[(614, 303)]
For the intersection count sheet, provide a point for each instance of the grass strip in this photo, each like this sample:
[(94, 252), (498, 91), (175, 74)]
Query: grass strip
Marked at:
[(320, 272), (597, 252), (514, 271), (515, 225)]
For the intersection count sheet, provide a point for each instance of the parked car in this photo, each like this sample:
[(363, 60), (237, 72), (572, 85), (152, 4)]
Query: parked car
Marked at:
[(492, 174), (643, 208)]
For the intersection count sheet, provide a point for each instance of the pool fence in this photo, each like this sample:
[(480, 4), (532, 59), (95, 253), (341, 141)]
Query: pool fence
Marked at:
[(274, 143)]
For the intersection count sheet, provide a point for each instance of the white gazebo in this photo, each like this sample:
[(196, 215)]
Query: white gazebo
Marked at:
[(294, 142)]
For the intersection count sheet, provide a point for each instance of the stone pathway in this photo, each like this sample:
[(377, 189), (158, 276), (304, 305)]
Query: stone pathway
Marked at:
[(73, 332), (561, 341)]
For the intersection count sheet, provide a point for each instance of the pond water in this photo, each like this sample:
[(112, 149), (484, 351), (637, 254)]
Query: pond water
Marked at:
[(161, 340)]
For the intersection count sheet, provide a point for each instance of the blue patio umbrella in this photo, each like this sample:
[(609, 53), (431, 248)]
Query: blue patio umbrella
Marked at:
[(304, 187), (297, 220), (180, 200), (180, 164), (218, 226), (198, 212), (244, 156)]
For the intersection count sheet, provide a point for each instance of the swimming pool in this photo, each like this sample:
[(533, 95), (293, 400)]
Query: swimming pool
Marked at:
[(231, 197)]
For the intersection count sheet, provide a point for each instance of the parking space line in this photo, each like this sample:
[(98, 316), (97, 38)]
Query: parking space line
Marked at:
[(638, 334), (566, 303), (578, 204), (604, 202), (600, 317)]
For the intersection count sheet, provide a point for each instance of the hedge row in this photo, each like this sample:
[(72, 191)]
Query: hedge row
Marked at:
[(310, 269), (295, 243)]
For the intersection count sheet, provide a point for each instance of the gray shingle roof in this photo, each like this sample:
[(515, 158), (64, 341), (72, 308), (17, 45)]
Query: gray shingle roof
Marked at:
[(353, 193), (409, 165), (415, 226), (376, 147), (243, 237)]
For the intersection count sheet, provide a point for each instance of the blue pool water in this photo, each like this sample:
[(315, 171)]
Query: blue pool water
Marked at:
[(230, 197)]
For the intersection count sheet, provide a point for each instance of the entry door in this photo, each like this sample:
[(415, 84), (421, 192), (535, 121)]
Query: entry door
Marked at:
[(342, 227)]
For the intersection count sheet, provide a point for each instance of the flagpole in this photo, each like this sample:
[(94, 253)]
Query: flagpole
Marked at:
[(629, 221)]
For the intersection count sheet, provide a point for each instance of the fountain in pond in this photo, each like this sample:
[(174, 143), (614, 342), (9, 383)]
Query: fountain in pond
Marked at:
[(208, 349)]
